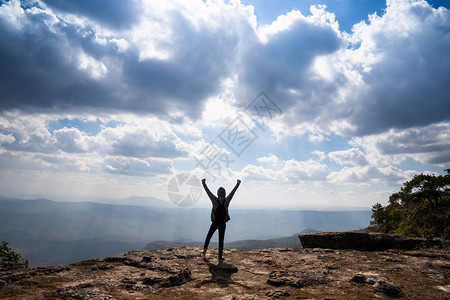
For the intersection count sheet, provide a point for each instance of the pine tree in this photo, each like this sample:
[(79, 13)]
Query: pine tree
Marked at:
[(421, 208)]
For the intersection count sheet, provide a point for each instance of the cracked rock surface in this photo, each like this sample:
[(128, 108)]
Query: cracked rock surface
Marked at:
[(279, 273)]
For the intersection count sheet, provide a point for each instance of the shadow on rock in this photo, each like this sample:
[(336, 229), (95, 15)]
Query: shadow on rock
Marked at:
[(221, 274)]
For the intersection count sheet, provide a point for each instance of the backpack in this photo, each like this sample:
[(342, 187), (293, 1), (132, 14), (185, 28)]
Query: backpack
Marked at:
[(220, 215)]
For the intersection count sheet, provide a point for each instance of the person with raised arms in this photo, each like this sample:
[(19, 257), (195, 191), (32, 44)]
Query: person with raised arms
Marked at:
[(219, 216)]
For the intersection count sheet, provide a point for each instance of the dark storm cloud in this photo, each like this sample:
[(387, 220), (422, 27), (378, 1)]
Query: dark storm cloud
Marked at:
[(410, 88), (402, 59), (51, 64), (410, 85), (39, 66), (201, 60), (113, 13), (54, 65), (282, 64)]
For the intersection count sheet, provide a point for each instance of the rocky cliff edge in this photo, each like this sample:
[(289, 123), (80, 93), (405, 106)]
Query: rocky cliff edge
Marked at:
[(279, 273)]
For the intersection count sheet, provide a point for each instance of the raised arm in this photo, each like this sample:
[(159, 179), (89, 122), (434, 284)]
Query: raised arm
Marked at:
[(234, 189), (208, 192)]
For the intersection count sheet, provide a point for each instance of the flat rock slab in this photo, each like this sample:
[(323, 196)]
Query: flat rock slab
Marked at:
[(181, 273), (362, 240)]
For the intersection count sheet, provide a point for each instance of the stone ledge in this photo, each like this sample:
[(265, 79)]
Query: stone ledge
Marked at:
[(362, 241)]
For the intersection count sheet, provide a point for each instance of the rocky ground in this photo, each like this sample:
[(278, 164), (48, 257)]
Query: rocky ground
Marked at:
[(180, 273)]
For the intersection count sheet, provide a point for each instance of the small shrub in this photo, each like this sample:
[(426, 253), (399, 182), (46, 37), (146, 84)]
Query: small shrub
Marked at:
[(9, 259)]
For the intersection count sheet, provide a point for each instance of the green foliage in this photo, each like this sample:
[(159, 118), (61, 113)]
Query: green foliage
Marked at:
[(9, 259), (421, 208)]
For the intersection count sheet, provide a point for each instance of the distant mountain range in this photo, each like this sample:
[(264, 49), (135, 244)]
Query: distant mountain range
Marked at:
[(136, 201), (49, 232), (242, 245)]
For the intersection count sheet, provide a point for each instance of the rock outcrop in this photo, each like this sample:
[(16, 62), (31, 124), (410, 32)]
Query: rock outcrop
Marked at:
[(362, 240), (279, 273), (380, 283)]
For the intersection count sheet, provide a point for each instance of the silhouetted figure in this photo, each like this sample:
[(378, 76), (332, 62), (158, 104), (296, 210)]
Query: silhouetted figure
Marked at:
[(219, 215)]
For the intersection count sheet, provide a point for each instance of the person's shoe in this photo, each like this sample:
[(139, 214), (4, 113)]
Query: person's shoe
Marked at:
[(204, 253), (221, 260)]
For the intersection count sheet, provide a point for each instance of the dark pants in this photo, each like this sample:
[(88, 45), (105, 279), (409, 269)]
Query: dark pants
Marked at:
[(212, 229)]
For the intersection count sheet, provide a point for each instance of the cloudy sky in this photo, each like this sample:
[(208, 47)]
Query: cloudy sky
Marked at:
[(110, 99)]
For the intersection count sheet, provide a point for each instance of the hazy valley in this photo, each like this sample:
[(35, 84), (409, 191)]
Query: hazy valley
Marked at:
[(47, 232)]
